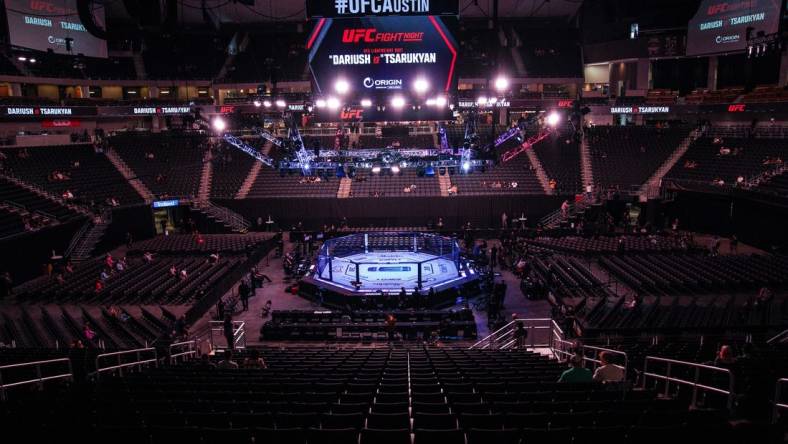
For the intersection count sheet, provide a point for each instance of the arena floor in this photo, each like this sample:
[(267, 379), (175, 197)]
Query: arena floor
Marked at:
[(390, 271)]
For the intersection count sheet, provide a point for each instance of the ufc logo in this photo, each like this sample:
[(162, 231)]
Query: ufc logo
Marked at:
[(357, 35), (738, 108), (564, 103), (351, 114)]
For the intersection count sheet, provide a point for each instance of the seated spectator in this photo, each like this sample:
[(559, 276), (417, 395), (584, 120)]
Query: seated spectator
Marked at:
[(173, 271), (104, 274), (99, 286), (88, 332), (227, 362), (213, 258), (205, 363), (68, 195), (576, 373), (607, 371), (254, 361), (183, 275), (725, 357), (147, 256)]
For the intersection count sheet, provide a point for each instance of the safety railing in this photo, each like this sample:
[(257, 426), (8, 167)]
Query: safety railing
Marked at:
[(180, 351), (239, 334), (141, 357), (668, 378), (783, 335), (778, 392), (541, 334), (39, 378)]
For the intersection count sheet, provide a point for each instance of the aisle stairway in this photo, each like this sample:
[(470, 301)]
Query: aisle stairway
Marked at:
[(586, 172), (445, 183), (129, 175), (345, 185), (539, 170)]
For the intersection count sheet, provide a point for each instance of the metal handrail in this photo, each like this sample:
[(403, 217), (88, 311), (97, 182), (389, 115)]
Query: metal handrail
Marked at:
[(238, 333), (120, 366), (503, 334), (778, 336), (39, 379), (694, 384), (777, 404), (190, 349)]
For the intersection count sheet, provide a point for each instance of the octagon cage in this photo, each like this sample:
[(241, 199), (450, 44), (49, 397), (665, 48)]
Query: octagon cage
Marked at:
[(389, 262)]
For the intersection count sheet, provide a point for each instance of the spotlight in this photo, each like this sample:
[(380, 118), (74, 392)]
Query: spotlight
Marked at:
[(366, 103), (219, 124), (375, 169), (395, 169), (341, 86), (32, 60), (466, 166), (398, 102), (481, 100), (430, 102), (281, 103), (267, 103), (553, 118), (257, 103), (333, 103), (320, 103), (21, 58), (421, 85), (501, 84), (440, 101)]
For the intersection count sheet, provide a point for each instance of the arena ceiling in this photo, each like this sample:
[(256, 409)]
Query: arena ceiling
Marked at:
[(228, 12)]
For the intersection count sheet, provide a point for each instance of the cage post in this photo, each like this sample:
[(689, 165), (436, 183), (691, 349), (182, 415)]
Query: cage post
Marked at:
[(330, 269)]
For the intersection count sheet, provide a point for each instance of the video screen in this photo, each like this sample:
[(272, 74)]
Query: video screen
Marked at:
[(55, 25), (722, 26), (377, 54)]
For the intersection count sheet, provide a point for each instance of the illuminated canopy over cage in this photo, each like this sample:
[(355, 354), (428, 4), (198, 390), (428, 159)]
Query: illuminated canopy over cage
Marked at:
[(388, 262)]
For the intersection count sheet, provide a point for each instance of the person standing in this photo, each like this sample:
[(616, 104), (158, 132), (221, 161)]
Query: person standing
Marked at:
[(220, 309), (494, 257), (504, 220), (243, 293), (228, 331)]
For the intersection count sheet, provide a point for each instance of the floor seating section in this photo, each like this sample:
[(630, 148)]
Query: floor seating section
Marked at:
[(748, 157), (91, 176), (683, 274), (364, 396), (367, 325), (627, 156), (607, 245)]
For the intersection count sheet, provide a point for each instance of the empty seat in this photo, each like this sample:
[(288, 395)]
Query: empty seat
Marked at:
[(376, 436), (388, 421)]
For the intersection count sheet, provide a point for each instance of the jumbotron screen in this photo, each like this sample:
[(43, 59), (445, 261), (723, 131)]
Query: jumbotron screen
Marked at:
[(377, 54), (46, 24), (721, 26)]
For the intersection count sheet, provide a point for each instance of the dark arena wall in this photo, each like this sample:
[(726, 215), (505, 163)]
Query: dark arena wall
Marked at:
[(480, 211)]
